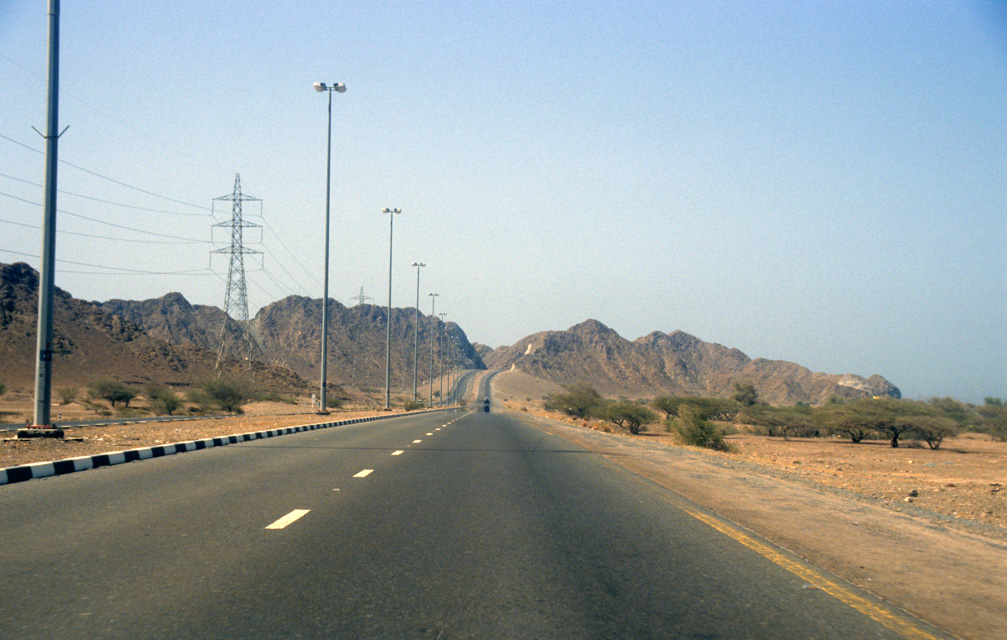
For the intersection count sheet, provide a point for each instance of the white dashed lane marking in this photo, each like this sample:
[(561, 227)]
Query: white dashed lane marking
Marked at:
[(363, 473), (430, 434), (417, 441), (398, 453), (293, 516)]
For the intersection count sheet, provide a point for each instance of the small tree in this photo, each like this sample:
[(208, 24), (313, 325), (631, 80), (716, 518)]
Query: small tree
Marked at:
[(629, 415), (3, 388), (745, 394), (696, 431), (162, 399), (114, 392), (226, 394), (580, 401), (67, 394), (932, 429)]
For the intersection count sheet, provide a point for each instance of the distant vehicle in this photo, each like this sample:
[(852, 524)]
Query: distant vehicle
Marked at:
[(486, 405)]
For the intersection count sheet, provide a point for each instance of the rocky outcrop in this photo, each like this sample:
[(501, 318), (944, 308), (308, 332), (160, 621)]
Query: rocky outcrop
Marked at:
[(671, 364)]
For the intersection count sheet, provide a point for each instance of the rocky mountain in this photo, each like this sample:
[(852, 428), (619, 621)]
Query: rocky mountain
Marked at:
[(90, 343), (671, 364), (173, 319), (289, 333)]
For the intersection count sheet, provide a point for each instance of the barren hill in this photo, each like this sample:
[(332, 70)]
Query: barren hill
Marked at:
[(289, 334), (89, 343), (671, 364)]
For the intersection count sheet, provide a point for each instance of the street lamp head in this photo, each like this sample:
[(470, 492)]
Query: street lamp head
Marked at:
[(387, 210), (338, 87), (419, 264)]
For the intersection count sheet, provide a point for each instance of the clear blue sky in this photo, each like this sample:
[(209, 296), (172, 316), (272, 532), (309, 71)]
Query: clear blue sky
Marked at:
[(819, 182)]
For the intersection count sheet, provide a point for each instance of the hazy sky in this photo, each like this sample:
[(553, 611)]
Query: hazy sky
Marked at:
[(819, 182)]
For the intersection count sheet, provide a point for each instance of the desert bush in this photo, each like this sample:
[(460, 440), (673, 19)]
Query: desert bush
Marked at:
[(993, 418), (162, 399), (3, 388), (114, 392), (412, 405), (745, 394), (628, 415), (696, 431), (709, 408), (67, 394), (780, 421), (932, 429), (580, 400), (226, 394)]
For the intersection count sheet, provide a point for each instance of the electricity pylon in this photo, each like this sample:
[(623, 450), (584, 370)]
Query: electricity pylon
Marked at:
[(361, 299), (236, 297)]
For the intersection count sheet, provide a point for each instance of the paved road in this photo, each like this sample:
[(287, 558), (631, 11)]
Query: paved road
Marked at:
[(452, 525)]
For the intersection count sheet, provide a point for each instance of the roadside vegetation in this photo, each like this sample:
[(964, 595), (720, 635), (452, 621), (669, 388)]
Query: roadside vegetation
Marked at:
[(704, 421)]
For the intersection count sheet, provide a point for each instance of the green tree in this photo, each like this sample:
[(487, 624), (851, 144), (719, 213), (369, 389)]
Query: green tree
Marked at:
[(114, 392), (629, 415), (580, 401), (696, 431), (932, 429), (226, 394), (162, 399), (784, 421), (745, 394)]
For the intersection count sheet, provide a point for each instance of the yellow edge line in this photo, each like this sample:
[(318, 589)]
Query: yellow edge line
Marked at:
[(844, 595)]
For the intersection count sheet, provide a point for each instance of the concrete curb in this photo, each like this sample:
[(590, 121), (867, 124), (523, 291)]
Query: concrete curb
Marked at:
[(10, 475)]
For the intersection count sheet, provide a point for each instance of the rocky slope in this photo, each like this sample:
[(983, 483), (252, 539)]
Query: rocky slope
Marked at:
[(90, 343), (289, 334), (671, 364)]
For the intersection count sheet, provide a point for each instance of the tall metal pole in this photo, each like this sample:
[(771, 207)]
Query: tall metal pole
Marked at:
[(47, 268), (322, 405), (440, 354), (388, 320), (433, 329), (416, 329)]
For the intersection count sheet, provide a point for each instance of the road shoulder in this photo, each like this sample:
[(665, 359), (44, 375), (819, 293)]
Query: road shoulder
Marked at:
[(954, 579)]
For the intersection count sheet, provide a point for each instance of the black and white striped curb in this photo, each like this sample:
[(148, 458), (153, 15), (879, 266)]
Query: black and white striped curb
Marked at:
[(10, 475)]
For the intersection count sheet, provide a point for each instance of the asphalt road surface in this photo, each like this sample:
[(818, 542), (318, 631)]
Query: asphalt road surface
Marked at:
[(460, 524)]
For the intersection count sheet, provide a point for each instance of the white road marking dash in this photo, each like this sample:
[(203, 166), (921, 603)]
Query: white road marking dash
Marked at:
[(398, 453), (293, 516), (363, 473), (417, 441)]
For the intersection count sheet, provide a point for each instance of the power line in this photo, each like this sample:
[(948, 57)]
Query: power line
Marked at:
[(292, 254), (97, 237), (118, 269), (117, 204), (112, 180), (110, 224)]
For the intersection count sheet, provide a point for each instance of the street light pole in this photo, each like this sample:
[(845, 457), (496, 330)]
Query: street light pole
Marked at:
[(322, 405), (388, 320), (416, 329), (440, 351), (433, 320)]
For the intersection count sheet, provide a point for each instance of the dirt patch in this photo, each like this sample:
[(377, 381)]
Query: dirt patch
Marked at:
[(86, 441)]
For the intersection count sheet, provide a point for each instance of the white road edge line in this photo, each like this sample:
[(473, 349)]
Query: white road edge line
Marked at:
[(364, 473), (291, 517)]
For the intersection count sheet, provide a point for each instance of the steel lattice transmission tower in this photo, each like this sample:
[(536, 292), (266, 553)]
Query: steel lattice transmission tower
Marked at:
[(236, 297)]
